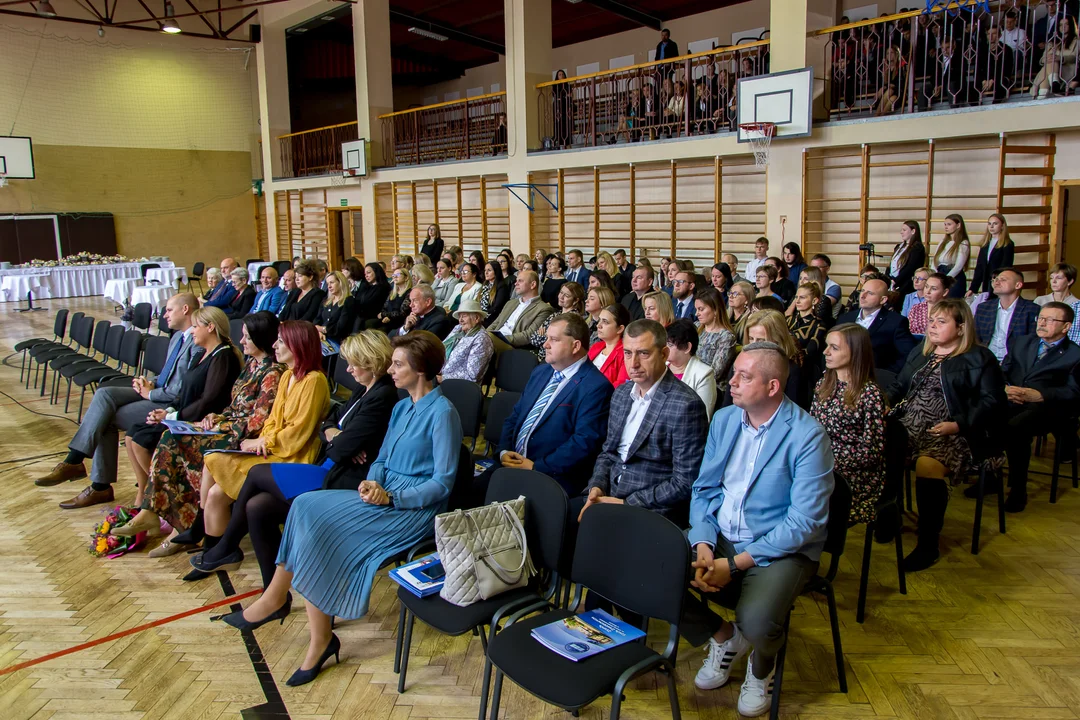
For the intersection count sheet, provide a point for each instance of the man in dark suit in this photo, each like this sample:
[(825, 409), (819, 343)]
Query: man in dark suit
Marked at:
[(656, 432), (626, 268), (666, 48), (558, 425), (994, 66), (889, 334), (682, 296), (426, 315), (998, 319), (1042, 372), (576, 270), (640, 286)]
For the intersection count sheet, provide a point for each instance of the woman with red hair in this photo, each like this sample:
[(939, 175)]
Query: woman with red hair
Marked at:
[(289, 435)]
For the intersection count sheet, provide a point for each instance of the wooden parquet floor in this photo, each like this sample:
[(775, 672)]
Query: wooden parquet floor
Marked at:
[(990, 636)]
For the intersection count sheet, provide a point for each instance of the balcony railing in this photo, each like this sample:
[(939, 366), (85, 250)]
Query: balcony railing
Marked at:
[(314, 152), (917, 61), (455, 130), (689, 95)]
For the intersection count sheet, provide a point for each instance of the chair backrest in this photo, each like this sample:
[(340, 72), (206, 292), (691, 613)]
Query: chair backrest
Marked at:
[(461, 493), (84, 333), (131, 348), (499, 408), (59, 327), (155, 353), (468, 400), (648, 573), (144, 313), (884, 378), (197, 270), (163, 323), (342, 376), (147, 266), (281, 266), (839, 510), (113, 341), (236, 330), (101, 336), (515, 367), (252, 260), (545, 511)]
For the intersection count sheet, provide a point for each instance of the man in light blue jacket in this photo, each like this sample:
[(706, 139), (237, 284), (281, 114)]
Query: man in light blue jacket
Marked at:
[(758, 517)]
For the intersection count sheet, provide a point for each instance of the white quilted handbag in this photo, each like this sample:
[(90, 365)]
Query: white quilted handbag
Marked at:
[(484, 551)]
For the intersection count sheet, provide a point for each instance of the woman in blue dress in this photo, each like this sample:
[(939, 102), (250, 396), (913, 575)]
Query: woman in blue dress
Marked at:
[(336, 540)]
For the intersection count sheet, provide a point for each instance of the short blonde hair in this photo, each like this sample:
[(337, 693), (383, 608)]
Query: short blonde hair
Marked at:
[(368, 349), (421, 275), (209, 315), (776, 330), (665, 311), (960, 312)]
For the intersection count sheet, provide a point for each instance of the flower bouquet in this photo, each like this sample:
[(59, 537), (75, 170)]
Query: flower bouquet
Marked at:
[(104, 544), (82, 258)]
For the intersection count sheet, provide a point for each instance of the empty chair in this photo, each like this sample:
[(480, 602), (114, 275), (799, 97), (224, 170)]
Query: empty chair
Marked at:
[(281, 266), (514, 369), (253, 260), (59, 330), (196, 275), (499, 408), (84, 376), (144, 313), (97, 350), (163, 323), (107, 340), (468, 400), (236, 330), (148, 266), (155, 351), (130, 355), (82, 333)]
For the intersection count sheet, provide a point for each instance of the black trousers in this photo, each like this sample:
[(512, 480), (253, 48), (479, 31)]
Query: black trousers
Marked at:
[(1026, 422)]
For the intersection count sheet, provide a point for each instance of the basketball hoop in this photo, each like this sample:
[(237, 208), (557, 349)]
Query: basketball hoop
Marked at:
[(3, 180), (760, 136)]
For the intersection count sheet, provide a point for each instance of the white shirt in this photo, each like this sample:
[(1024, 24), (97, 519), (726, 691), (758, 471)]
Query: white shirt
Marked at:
[(1014, 38), (894, 266), (508, 327), (598, 361), (639, 405), (1001, 330), (867, 321), (990, 247), (752, 266), (731, 517), (567, 374)]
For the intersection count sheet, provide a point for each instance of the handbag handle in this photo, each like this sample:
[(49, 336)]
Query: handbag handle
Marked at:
[(519, 532)]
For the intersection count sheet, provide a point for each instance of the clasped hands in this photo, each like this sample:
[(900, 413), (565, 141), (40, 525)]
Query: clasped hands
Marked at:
[(515, 460), (1021, 395), (372, 493), (597, 496), (710, 574), (142, 386)]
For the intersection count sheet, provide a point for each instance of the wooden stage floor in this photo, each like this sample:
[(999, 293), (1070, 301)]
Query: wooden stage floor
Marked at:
[(990, 636)]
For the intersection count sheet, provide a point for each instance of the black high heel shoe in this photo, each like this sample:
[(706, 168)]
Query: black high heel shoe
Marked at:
[(303, 677), (194, 534), (236, 619)]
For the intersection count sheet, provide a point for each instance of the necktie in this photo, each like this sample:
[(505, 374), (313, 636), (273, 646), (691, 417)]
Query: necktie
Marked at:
[(1043, 349), (170, 363), (682, 309), (536, 412)]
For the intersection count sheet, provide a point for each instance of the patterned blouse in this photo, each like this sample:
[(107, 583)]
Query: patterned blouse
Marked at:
[(470, 355), (537, 338), (858, 444), (808, 331), (917, 317), (717, 350), (252, 398)]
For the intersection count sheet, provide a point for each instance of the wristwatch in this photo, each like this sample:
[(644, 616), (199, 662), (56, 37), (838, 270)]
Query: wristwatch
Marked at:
[(733, 569), (389, 498)]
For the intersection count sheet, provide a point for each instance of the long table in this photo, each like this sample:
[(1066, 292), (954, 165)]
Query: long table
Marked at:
[(69, 281)]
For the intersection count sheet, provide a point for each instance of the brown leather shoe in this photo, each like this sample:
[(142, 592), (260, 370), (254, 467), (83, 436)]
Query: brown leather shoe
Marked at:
[(63, 472), (89, 496)]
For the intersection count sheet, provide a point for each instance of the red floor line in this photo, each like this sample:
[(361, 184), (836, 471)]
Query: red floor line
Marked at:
[(130, 631)]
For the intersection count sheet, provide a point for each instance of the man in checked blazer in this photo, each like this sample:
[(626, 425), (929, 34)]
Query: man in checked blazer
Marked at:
[(999, 319), (656, 432), (1043, 391)]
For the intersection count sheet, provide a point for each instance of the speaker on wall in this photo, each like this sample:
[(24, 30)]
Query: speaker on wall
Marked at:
[(256, 33)]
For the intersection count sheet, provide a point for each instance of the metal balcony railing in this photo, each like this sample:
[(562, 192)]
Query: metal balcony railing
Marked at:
[(314, 152), (455, 130)]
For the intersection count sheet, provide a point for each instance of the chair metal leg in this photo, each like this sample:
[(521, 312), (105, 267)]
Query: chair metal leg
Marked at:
[(410, 619), (400, 630), (1072, 439), (977, 528), (82, 398), (864, 578), (778, 676), (484, 688), (907, 489), (1054, 474), (22, 365), (67, 400), (673, 693), (900, 563), (1000, 474), (483, 638), (834, 620), (496, 694)]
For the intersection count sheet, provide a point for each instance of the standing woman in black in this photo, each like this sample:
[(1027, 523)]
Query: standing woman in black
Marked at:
[(309, 300), (997, 251), (908, 256), (370, 293), (433, 244), (338, 313)]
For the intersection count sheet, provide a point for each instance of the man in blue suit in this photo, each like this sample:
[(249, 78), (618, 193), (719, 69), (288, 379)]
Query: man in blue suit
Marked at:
[(558, 425), (271, 297), (576, 270), (758, 517), (890, 337), (682, 296)]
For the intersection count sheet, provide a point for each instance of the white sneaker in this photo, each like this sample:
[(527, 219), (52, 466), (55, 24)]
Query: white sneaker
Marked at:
[(755, 697), (717, 667)]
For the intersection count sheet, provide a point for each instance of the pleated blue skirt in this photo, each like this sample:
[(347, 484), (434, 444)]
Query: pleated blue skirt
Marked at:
[(334, 543)]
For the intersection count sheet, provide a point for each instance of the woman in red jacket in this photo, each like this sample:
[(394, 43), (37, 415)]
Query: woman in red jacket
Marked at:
[(607, 353)]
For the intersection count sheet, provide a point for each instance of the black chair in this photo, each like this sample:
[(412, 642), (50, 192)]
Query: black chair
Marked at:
[(499, 408), (836, 538), (97, 353), (655, 557), (236, 330), (980, 496), (81, 334), (163, 323), (887, 502), (143, 315), (92, 372), (281, 266), (1064, 442), (196, 275), (514, 369), (545, 522), (59, 331), (131, 348), (252, 260), (155, 352), (884, 378), (468, 400), (342, 379), (148, 266)]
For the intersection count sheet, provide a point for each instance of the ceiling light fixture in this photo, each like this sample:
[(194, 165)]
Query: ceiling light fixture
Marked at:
[(428, 34), (45, 9), (574, 2), (170, 26)]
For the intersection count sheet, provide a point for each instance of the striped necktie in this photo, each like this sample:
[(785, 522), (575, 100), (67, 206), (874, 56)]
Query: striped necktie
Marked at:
[(1043, 350), (536, 412)]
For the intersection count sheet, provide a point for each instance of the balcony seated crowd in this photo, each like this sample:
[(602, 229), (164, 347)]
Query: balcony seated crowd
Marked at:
[(731, 404)]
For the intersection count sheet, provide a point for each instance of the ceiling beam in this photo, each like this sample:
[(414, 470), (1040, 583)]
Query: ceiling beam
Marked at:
[(452, 33), (97, 23), (235, 8), (625, 11), (238, 23)]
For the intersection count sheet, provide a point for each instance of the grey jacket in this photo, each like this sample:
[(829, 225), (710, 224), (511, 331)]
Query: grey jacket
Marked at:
[(170, 393)]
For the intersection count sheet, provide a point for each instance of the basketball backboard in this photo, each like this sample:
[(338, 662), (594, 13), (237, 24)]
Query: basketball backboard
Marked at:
[(16, 158), (354, 158), (781, 98)]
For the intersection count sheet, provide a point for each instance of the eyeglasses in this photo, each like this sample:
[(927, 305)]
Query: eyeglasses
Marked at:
[(680, 282), (1050, 320)]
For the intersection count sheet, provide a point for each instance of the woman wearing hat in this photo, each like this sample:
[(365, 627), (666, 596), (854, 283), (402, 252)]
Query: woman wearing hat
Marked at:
[(468, 346)]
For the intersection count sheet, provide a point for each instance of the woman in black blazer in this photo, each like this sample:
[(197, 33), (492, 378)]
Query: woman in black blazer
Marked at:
[(371, 293), (494, 293), (306, 304), (997, 251), (908, 256), (245, 295), (338, 313), (352, 437), (433, 244)]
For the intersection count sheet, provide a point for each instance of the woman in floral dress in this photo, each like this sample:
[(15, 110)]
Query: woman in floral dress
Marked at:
[(851, 408), (177, 464)]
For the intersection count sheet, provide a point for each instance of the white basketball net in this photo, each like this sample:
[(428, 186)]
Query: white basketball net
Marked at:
[(760, 136), (3, 180)]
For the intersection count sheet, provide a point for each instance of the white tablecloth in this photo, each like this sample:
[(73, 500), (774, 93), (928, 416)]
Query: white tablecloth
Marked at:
[(119, 289), (156, 295), (167, 275), (254, 269), (15, 287), (79, 280)]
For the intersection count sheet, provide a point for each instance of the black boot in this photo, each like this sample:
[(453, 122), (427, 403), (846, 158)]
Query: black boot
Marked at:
[(193, 534), (888, 524), (932, 496), (1017, 494)]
